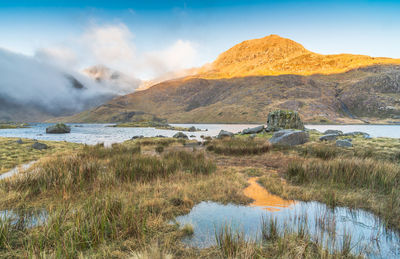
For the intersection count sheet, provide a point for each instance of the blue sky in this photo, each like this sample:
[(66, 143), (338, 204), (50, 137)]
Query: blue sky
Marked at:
[(210, 26)]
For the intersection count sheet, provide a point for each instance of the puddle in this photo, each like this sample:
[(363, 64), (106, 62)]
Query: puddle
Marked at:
[(22, 219), (16, 170), (329, 226)]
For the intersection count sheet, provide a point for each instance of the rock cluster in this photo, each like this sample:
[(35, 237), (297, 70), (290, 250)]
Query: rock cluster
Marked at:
[(284, 119)]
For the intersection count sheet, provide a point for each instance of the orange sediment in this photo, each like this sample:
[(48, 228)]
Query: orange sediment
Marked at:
[(262, 198)]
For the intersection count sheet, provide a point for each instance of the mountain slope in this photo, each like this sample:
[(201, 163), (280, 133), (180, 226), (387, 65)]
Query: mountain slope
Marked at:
[(257, 76), (274, 55), (371, 92)]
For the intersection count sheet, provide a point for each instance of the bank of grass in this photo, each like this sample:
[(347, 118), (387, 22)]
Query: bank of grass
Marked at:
[(239, 146), (13, 154), (13, 125)]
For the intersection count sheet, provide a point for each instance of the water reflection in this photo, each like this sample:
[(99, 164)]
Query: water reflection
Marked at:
[(24, 218), (328, 226)]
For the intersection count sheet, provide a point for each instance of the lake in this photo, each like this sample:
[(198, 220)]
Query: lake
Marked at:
[(103, 133)]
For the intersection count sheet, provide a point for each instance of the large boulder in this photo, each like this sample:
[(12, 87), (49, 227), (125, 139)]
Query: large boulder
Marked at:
[(181, 135), (254, 130), (224, 134), (289, 137), (328, 137), (59, 128), (39, 146), (343, 143), (284, 119)]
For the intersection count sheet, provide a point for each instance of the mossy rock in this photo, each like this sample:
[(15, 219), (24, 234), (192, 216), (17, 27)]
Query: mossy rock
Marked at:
[(284, 119)]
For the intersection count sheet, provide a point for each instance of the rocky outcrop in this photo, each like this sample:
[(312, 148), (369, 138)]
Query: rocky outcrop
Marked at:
[(289, 137), (254, 130), (224, 134), (284, 119), (59, 128), (356, 133), (343, 143), (181, 135)]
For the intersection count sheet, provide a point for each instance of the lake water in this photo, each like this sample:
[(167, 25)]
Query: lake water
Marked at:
[(102, 133)]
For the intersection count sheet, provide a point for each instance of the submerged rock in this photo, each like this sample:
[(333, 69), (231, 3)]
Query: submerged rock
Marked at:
[(328, 137), (282, 119), (289, 137), (254, 130), (330, 131), (224, 133), (343, 143), (39, 146), (180, 135), (59, 128)]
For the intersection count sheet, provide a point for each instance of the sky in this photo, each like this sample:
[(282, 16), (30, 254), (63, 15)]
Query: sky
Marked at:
[(149, 38)]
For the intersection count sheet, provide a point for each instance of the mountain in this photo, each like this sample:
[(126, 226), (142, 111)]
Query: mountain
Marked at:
[(274, 55), (254, 77)]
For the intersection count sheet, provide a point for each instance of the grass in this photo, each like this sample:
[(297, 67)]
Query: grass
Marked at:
[(13, 154), (117, 202), (13, 125), (108, 202), (239, 146)]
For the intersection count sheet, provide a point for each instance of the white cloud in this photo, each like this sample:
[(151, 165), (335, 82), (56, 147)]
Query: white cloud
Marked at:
[(114, 47)]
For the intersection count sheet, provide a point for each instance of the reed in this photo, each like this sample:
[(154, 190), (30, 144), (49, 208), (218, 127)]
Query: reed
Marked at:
[(239, 146)]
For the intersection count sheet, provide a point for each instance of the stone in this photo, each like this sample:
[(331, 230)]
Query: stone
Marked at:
[(39, 146), (180, 135), (343, 143), (328, 137), (19, 141), (192, 136), (253, 136), (59, 128), (224, 133), (330, 131), (160, 136), (192, 129), (254, 130), (284, 119), (289, 137)]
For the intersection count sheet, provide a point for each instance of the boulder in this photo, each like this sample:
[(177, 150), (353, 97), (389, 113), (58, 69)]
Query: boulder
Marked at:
[(19, 141), (282, 119), (39, 146), (59, 128), (253, 136), (224, 133), (343, 143), (160, 136), (180, 135), (254, 130), (328, 137), (289, 137), (337, 132), (192, 136)]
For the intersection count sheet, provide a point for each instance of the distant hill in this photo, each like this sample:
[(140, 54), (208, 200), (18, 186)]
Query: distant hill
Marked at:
[(244, 83)]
